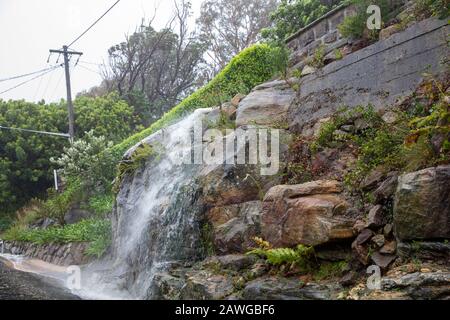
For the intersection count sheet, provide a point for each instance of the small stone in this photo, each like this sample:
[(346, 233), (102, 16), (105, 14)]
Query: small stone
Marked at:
[(375, 217), (359, 226), (361, 253), (389, 31), (387, 188), (348, 279), (425, 270), (308, 70), (389, 117), (378, 240), (338, 133), (361, 124), (387, 230), (348, 128), (237, 99), (389, 247), (330, 37), (447, 99), (364, 236), (382, 260), (373, 178)]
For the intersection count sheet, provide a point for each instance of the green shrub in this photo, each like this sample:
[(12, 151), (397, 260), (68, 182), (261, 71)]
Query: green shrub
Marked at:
[(5, 222), (251, 67), (89, 160), (318, 59), (101, 204), (58, 204), (354, 26), (435, 8), (326, 137)]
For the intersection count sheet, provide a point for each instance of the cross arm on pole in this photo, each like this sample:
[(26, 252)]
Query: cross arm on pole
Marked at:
[(66, 52)]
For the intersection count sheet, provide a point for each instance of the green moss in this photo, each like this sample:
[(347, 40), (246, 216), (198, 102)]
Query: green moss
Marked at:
[(140, 156)]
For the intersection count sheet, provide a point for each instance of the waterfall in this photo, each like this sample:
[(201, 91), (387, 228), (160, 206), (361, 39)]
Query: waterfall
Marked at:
[(2, 246), (157, 218)]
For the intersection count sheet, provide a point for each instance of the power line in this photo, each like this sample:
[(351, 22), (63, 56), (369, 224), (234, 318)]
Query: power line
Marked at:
[(26, 75), (29, 80), (57, 84), (96, 21), (88, 69), (91, 63), (65, 135)]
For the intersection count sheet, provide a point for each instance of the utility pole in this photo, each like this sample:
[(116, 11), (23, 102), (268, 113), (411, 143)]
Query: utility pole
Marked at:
[(66, 53)]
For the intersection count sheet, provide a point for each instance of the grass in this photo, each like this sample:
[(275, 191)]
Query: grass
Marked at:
[(330, 270), (95, 231)]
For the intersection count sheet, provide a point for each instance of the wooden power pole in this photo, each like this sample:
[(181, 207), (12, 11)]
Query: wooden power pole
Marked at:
[(66, 53)]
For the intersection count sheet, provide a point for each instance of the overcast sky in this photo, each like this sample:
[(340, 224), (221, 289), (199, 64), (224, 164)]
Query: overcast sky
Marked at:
[(29, 28)]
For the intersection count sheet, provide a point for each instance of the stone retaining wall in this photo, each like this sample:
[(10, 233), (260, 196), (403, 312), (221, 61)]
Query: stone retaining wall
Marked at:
[(59, 254), (323, 31), (379, 74)]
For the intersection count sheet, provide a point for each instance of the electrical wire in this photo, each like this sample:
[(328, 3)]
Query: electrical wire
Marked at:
[(29, 80), (57, 84), (96, 21), (65, 135), (88, 69), (26, 75)]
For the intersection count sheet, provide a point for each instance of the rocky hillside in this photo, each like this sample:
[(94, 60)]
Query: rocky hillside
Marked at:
[(359, 208)]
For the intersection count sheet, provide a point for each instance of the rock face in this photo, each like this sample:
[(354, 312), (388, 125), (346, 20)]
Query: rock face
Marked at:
[(309, 214), (266, 105), (234, 226), (422, 205), (418, 285), (286, 289)]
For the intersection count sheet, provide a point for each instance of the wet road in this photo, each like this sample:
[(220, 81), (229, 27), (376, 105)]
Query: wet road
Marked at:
[(18, 285)]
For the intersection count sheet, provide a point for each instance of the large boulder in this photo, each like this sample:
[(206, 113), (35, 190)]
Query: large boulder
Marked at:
[(266, 105), (309, 214), (422, 204), (234, 226), (205, 285), (226, 184)]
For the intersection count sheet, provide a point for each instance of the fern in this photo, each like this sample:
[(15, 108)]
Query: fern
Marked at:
[(301, 255)]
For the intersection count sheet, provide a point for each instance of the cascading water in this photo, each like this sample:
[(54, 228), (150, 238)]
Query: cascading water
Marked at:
[(157, 219)]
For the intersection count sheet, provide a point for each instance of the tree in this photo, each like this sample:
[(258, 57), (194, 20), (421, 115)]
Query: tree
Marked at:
[(154, 70), (229, 26), (25, 168), (292, 15)]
